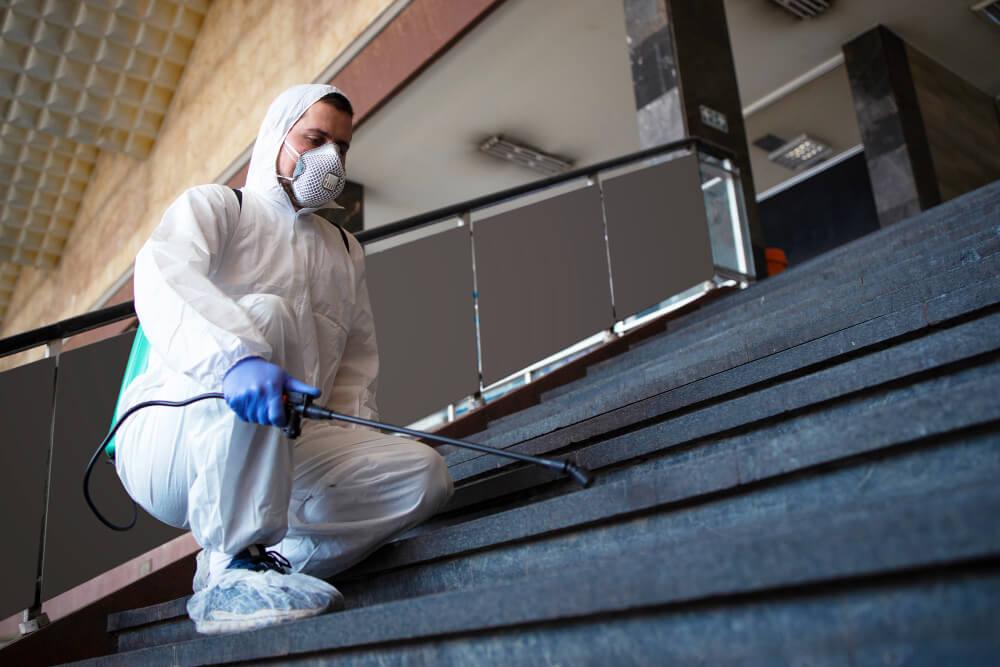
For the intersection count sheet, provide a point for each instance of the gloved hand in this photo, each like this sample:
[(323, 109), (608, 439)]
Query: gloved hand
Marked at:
[(253, 389)]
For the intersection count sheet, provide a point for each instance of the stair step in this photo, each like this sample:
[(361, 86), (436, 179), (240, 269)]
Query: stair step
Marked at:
[(726, 401), (564, 428), (730, 346), (672, 441), (875, 541), (974, 211), (864, 426), (680, 526), (576, 525)]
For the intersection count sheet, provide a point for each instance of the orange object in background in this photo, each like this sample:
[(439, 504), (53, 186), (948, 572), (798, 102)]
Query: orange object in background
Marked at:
[(776, 261)]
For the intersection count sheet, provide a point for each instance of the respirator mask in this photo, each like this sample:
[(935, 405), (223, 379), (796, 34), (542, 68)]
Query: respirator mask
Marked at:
[(319, 175)]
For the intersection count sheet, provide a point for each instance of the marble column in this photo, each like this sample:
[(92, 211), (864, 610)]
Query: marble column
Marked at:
[(929, 135), (684, 81)]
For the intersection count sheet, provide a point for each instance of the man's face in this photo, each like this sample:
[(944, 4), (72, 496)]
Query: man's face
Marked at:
[(322, 123)]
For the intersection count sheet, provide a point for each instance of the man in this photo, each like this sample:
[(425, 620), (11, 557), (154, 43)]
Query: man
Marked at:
[(256, 298)]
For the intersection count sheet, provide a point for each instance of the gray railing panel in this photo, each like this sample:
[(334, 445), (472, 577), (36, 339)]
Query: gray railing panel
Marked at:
[(543, 280), (24, 422), (78, 547), (657, 233), (421, 295)]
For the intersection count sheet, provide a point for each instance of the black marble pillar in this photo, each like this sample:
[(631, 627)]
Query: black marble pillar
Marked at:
[(684, 82), (892, 129), (929, 135)]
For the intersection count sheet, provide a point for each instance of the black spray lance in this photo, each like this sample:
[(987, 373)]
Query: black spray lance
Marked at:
[(300, 405)]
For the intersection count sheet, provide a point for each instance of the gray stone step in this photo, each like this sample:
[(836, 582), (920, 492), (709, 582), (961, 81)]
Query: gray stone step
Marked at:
[(954, 469), (681, 468), (531, 538), (802, 438), (731, 347), (873, 542), (859, 359)]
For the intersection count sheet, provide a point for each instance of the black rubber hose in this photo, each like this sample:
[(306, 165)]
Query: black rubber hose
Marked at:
[(104, 443)]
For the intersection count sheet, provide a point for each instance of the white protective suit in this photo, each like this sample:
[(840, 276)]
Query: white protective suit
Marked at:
[(214, 285)]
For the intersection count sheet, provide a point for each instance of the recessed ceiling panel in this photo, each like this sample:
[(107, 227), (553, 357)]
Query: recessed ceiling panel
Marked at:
[(77, 76)]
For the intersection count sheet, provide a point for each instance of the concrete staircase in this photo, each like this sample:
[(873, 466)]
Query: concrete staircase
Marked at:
[(803, 472)]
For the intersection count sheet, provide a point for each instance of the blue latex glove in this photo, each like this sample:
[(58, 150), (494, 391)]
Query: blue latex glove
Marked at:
[(254, 387)]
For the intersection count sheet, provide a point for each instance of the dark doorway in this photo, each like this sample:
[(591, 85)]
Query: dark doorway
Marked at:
[(822, 212)]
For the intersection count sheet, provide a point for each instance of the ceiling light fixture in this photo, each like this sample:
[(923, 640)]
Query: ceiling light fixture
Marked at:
[(526, 156), (800, 153), (804, 9)]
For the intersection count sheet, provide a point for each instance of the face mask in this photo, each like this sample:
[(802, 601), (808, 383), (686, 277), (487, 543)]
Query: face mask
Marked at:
[(319, 175)]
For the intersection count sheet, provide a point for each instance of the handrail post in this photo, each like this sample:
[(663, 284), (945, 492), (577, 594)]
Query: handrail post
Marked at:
[(466, 218), (595, 180), (33, 618)]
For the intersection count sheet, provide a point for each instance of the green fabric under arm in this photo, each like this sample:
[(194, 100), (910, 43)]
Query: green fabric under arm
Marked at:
[(138, 359)]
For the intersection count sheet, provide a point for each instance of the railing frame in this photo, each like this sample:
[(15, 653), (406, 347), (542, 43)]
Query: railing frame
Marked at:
[(123, 311)]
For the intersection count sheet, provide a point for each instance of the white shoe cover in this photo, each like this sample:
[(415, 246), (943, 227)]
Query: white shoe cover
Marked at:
[(242, 600)]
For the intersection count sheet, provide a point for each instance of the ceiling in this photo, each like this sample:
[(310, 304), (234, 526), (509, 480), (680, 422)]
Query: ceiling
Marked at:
[(772, 47), (551, 74), (822, 108), (77, 77), (555, 75)]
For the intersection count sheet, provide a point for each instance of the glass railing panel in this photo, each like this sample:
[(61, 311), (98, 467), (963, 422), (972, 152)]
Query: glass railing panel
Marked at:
[(24, 422), (542, 279), (658, 235), (422, 299), (77, 546), (727, 223)]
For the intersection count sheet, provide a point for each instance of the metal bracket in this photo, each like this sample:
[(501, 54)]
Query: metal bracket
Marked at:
[(33, 620)]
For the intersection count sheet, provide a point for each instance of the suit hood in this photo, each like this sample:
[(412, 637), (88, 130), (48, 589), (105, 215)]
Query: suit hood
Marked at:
[(283, 113)]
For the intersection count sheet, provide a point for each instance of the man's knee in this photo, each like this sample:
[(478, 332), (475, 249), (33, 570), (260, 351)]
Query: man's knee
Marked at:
[(436, 481)]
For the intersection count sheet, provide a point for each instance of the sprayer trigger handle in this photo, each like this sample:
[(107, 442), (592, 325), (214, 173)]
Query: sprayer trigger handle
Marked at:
[(294, 402)]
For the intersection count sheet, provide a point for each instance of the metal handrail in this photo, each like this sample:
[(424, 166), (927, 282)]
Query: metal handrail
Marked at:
[(452, 210), (98, 318), (65, 328)]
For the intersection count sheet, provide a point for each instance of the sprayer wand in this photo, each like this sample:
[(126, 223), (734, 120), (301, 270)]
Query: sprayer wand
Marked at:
[(301, 405)]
